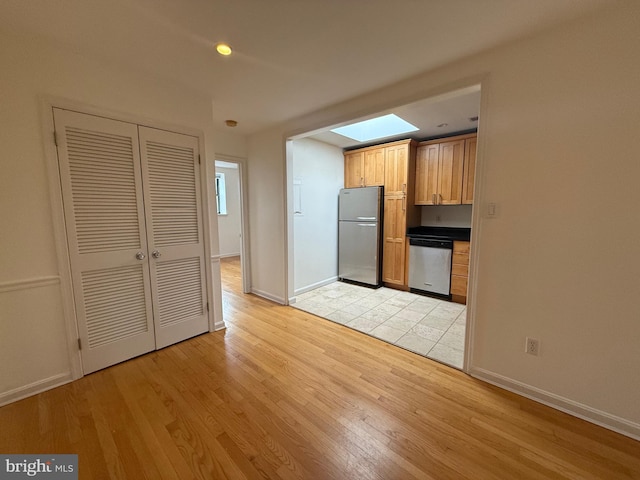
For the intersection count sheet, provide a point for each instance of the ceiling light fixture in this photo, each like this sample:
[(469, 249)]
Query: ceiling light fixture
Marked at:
[(223, 49)]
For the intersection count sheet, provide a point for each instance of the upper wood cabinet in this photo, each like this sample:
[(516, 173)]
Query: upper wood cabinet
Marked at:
[(364, 168), (374, 167), (353, 169), (396, 165), (440, 171), (469, 175)]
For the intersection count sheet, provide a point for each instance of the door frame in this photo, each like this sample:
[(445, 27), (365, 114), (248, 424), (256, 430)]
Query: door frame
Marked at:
[(317, 123), (245, 259), (213, 282)]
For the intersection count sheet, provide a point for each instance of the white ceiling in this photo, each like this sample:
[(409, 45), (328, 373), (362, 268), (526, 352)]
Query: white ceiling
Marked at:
[(434, 117), (292, 57)]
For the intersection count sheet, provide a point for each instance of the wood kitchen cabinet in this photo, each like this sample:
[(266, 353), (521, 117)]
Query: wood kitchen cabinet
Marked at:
[(399, 210), (469, 175), (440, 171), (394, 248), (391, 165), (353, 169), (396, 164), (460, 271), (364, 167)]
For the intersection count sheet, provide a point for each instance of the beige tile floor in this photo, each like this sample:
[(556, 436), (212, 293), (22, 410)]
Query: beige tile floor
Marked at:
[(427, 326)]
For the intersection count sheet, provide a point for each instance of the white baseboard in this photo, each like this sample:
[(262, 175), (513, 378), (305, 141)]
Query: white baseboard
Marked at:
[(603, 419), (313, 286), (219, 326), (34, 388), (268, 296), (228, 255)]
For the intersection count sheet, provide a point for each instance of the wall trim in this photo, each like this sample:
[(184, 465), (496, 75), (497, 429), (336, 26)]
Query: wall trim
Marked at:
[(269, 296), (313, 286), (35, 388), (35, 282), (576, 409)]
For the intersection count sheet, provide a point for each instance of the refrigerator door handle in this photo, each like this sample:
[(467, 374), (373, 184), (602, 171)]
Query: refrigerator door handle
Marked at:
[(365, 218), (367, 224)]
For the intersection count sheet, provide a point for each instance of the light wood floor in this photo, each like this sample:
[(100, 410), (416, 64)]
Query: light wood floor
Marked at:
[(281, 394)]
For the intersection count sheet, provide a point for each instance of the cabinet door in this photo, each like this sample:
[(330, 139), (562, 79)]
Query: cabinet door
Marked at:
[(450, 172), (374, 167), (394, 249), (353, 170), (460, 270), (469, 176), (427, 174), (396, 166)]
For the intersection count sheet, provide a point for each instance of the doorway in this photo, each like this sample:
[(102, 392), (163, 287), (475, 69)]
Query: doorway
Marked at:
[(453, 116), (227, 182)]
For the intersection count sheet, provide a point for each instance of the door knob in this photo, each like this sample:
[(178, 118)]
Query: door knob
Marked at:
[(140, 256), (155, 254)]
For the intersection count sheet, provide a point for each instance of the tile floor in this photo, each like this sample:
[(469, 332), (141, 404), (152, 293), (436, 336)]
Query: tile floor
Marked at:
[(427, 326)]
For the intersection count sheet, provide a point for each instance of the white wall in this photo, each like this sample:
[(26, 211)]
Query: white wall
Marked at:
[(266, 214), (557, 153), (33, 350), (318, 171), (446, 215), (229, 225)]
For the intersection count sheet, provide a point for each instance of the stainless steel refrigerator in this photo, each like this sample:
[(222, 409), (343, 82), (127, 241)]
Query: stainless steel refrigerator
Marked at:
[(359, 235)]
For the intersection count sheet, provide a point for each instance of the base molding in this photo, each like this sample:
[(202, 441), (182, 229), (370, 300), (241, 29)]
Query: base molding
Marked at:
[(592, 415), (268, 296), (35, 388), (313, 286)]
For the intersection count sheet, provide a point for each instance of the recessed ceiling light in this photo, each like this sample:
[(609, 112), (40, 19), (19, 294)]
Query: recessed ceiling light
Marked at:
[(380, 127), (443, 125), (223, 49)]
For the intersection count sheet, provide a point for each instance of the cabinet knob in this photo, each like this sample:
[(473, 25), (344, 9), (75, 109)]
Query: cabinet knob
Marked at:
[(155, 254), (140, 256)]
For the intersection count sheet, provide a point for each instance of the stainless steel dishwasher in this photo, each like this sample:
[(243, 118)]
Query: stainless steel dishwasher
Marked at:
[(430, 265)]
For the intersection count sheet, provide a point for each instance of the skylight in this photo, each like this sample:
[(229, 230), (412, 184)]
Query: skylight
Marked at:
[(380, 127)]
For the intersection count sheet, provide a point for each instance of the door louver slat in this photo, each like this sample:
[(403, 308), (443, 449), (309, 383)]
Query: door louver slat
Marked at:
[(114, 302), (179, 290), (103, 190), (172, 191)]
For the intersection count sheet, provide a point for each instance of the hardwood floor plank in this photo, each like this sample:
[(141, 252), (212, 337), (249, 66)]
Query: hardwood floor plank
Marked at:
[(284, 395)]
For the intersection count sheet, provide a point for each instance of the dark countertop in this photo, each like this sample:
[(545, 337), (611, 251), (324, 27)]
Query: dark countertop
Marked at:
[(448, 233)]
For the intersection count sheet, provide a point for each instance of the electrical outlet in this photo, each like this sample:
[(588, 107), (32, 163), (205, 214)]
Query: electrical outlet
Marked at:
[(532, 346)]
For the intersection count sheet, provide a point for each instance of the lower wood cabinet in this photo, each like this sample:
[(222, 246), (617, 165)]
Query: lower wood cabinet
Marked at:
[(460, 271)]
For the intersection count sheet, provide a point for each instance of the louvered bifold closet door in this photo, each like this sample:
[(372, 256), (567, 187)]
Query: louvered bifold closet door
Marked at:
[(101, 182), (171, 178)]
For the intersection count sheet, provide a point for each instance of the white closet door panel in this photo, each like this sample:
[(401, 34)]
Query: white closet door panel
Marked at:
[(174, 226), (101, 186)]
